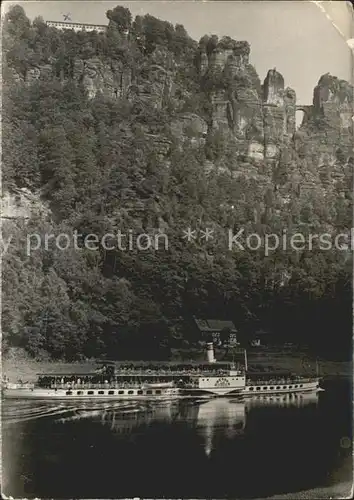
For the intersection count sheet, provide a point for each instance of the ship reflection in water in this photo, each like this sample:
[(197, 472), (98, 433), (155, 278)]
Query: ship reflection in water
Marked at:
[(228, 418), (214, 419), (207, 416), (220, 416), (225, 415), (200, 440)]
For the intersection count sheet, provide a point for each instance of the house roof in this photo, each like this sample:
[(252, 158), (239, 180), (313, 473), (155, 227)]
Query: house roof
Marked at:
[(212, 325)]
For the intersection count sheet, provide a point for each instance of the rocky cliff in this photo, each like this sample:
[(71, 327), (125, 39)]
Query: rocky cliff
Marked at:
[(260, 119), (263, 118), (214, 96)]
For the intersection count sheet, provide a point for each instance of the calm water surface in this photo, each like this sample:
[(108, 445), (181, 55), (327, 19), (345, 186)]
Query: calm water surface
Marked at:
[(221, 448)]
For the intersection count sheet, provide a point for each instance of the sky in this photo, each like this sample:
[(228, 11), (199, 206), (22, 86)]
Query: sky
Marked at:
[(295, 37)]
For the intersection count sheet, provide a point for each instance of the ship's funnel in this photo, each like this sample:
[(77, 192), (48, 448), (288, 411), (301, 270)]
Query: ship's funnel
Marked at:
[(210, 353)]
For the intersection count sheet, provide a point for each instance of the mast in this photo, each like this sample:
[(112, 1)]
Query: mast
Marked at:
[(246, 363)]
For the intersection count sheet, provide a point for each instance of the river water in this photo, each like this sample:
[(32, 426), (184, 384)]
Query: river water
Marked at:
[(220, 448)]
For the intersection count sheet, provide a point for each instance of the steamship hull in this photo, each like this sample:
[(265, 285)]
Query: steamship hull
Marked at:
[(301, 385), (252, 390), (159, 393), (211, 392), (85, 394)]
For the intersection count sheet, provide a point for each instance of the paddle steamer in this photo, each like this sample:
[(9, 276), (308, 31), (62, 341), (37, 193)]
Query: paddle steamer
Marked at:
[(159, 380)]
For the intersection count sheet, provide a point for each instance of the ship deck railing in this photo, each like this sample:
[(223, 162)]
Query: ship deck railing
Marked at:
[(158, 373), (81, 387), (143, 373), (280, 381), (112, 385)]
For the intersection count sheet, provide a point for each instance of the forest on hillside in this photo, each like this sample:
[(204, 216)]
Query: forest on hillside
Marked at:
[(106, 163)]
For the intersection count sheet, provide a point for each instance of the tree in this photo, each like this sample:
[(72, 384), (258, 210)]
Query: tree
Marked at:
[(16, 23), (156, 32), (56, 165), (121, 17)]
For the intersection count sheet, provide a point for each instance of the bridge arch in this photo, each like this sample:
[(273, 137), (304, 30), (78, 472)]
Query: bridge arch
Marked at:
[(302, 114)]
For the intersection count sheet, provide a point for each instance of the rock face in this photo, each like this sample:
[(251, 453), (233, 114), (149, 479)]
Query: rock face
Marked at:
[(333, 109), (261, 117), (109, 78), (326, 133), (273, 88), (189, 126), (153, 85), (22, 204)]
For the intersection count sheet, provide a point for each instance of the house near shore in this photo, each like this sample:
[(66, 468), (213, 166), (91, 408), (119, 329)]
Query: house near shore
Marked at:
[(216, 330)]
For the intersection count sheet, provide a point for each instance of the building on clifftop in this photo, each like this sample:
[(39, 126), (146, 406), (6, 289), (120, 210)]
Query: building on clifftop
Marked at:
[(60, 25)]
